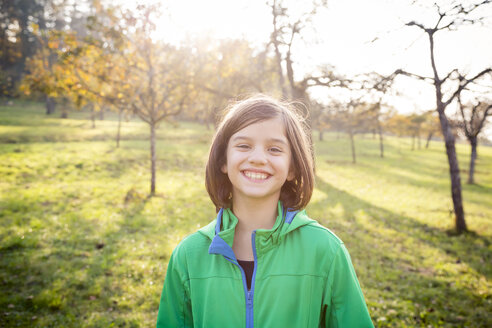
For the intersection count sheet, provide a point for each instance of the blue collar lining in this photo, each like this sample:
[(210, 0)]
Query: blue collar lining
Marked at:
[(219, 246)]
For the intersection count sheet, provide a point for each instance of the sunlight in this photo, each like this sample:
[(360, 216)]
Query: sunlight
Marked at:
[(213, 19), (367, 38)]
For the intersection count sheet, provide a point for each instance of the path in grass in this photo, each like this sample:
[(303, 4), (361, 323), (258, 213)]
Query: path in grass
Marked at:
[(83, 246)]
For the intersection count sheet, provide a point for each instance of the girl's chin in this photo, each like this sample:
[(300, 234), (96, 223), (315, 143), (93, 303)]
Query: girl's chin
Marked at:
[(255, 195)]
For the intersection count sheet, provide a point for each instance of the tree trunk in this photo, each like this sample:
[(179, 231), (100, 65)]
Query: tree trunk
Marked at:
[(381, 145), (101, 114), (278, 55), (473, 143), (152, 159), (118, 133), (64, 112), (320, 135), (429, 137), (281, 81), (454, 172), (418, 138), (50, 105), (413, 142), (93, 117), (352, 146)]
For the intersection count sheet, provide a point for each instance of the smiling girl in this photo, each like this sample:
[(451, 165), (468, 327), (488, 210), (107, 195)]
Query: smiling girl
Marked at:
[(262, 262)]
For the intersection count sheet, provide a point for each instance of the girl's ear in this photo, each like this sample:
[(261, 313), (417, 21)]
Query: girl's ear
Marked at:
[(224, 168)]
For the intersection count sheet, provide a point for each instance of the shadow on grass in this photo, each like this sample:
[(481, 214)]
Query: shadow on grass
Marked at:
[(71, 277), (50, 281), (391, 250)]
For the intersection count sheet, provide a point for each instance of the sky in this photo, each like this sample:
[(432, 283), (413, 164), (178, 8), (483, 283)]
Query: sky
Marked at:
[(354, 36)]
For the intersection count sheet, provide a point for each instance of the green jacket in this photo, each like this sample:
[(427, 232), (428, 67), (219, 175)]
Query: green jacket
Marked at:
[(303, 277)]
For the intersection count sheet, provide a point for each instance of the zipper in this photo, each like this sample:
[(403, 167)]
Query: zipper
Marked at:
[(249, 307), (249, 294)]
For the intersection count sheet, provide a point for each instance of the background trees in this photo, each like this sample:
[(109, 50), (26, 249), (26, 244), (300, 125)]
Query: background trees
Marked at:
[(448, 19), (110, 57)]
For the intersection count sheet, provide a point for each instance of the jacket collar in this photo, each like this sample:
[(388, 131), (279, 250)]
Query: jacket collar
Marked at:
[(221, 230)]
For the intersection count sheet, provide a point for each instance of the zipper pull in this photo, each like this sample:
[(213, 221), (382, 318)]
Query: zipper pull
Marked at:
[(250, 298)]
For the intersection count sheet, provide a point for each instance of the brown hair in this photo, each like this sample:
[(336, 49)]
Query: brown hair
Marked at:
[(294, 194)]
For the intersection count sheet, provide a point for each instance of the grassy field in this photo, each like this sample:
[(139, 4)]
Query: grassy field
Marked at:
[(82, 245)]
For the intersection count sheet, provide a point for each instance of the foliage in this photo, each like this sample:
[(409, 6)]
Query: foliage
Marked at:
[(19, 41), (48, 73), (83, 246), (225, 69)]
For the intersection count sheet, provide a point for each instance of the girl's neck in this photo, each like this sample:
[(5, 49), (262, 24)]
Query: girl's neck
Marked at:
[(254, 214)]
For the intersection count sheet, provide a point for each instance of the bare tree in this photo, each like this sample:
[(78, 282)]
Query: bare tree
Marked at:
[(450, 19), (430, 126), (353, 118), (164, 93), (286, 29), (472, 124), (376, 87)]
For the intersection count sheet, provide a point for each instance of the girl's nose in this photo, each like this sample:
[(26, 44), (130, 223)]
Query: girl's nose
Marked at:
[(257, 156)]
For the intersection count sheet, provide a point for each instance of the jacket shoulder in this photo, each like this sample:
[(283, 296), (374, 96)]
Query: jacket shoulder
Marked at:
[(317, 228), (192, 243), (320, 238)]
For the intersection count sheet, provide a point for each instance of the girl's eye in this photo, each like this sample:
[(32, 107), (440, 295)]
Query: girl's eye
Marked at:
[(275, 150), (243, 146)]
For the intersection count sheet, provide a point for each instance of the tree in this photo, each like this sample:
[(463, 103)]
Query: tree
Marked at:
[(20, 41), (430, 126), (450, 19), (375, 87), (100, 64), (47, 72), (375, 116), (321, 117), (287, 28), (119, 64), (162, 75), (474, 118), (17, 40), (416, 122), (399, 125), (352, 118)]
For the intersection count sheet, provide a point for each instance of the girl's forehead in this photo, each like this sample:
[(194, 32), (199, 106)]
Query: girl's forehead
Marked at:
[(269, 128), (276, 122)]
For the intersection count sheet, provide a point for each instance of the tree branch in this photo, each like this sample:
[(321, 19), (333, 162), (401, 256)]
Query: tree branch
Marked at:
[(464, 84), (214, 91), (423, 78)]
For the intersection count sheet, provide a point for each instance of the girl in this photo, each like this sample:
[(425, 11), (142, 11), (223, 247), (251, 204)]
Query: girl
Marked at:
[(262, 262)]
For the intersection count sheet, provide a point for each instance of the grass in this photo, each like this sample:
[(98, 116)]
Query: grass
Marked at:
[(82, 245)]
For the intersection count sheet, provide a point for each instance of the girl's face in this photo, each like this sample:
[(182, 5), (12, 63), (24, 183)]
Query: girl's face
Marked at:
[(259, 161)]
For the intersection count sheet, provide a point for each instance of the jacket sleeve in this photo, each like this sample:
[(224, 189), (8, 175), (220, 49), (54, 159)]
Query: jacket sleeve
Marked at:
[(345, 306), (175, 305)]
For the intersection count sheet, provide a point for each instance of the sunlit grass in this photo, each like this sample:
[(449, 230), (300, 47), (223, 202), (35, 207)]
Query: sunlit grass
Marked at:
[(82, 244)]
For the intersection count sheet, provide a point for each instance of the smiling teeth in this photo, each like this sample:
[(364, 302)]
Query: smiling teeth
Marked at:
[(255, 176)]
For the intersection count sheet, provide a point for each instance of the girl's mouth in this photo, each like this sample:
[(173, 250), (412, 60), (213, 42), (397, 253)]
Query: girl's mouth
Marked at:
[(256, 175)]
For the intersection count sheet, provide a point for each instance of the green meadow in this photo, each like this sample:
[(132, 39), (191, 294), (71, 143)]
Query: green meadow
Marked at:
[(82, 244)]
